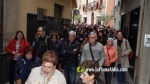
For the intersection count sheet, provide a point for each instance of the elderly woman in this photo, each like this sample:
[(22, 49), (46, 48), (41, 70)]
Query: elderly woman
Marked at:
[(123, 49), (110, 59), (25, 64), (47, 72), (87, 76)]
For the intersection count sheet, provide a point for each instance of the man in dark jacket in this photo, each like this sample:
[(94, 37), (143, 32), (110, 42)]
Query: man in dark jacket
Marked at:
[(42, 43), (65, 32), (70, 57)]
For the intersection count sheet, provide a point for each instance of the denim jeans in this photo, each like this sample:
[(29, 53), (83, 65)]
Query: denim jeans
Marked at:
[(120, 76), (70, 74)]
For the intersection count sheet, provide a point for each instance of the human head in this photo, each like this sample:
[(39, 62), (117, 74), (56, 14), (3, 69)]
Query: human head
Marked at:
[(28, 53), (84, 29), (100, 33), (65, 26), (49, 62), (72, 36), (110, 41), (88, 76), (19, 35), (119, 35), (54, 37), (41, 31), (81, 31), (115, 34), (92, 37)]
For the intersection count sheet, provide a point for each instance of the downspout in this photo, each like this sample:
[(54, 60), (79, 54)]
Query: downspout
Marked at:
[(138, 62)]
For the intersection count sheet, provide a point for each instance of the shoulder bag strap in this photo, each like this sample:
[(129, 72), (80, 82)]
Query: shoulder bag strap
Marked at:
[(126, 44), (108, 54), (46, 40), (91, 52)]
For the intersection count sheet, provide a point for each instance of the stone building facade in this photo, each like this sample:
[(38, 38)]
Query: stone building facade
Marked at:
[(27, 15)]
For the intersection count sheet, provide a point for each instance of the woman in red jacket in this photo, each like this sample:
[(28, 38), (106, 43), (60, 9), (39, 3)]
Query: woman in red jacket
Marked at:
[(110, 58), (16, 48)]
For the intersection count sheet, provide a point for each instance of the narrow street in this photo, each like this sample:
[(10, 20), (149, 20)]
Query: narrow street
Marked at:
[(115, 31)]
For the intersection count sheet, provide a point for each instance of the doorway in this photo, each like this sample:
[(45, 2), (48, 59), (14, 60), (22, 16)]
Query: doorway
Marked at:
[(85, 20), (58, 17), (33, 24), (133, 33), (130, 26)]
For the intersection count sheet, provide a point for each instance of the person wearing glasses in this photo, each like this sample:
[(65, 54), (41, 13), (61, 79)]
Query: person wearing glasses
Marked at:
[(93, 50), (16, 49), (43, 42)]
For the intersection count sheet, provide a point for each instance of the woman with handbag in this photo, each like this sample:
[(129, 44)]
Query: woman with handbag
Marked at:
[(123, 49), (110, 59)]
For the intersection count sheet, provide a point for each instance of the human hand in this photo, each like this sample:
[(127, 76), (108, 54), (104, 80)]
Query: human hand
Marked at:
[(110, 61), (18, 54), (74, 49), (14, 53), (123, 55), (81, 38)]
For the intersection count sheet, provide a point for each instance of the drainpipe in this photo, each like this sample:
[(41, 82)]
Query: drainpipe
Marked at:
[(140, 41)]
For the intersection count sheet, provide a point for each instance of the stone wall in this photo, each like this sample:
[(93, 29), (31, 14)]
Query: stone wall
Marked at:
[(11, 19), (144, 55)]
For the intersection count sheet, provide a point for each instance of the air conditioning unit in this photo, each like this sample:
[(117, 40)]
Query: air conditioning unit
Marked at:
[(41, 14)]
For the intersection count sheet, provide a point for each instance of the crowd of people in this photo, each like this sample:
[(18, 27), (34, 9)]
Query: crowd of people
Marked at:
[(54, 58)]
